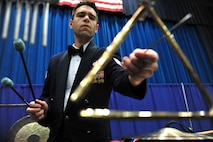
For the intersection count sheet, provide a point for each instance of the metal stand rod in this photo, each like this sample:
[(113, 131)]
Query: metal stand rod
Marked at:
[(12, 105), (113, 114)]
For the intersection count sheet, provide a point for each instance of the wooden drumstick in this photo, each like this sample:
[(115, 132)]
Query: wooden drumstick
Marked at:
[(27, 21), (18, 19), (7, 19)]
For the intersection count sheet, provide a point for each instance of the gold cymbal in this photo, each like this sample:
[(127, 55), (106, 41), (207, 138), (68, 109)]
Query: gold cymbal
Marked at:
[(169, 133), (27, 130)]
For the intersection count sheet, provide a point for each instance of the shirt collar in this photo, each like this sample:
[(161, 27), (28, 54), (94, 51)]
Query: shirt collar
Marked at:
[(84, 46)]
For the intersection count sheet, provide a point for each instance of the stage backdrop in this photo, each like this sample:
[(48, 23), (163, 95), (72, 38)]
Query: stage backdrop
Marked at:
[(142, 35)]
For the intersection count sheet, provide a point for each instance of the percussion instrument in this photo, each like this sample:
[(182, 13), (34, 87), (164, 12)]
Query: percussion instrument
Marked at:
[(27, 130), (170, 134), (208, 133), (80, 91), (27, 3), (116, 114)]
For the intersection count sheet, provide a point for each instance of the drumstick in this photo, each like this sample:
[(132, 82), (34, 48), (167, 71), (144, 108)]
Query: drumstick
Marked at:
[(0, 7), (18, 19), (20, 46), (7, 82), (7, 19), (176, 26), (27, 21)]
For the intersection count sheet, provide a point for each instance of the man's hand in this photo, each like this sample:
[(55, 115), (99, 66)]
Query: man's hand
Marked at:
[(37, 110), (140, 65)]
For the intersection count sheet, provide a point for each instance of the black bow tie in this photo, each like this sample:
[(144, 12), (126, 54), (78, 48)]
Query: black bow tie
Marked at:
[(73, 51)]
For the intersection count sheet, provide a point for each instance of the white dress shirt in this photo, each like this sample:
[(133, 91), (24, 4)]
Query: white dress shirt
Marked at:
[(73, 67)]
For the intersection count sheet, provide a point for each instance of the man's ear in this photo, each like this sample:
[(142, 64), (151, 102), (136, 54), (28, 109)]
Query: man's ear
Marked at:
[(97, 26), (70, 24)]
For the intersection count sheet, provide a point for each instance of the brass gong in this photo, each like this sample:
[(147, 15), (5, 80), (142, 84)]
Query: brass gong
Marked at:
[(27, 130), (171, 134)]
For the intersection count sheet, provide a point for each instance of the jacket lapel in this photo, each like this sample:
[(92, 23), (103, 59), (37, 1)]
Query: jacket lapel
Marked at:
[(84, 68), (61, 79), (85, 64)]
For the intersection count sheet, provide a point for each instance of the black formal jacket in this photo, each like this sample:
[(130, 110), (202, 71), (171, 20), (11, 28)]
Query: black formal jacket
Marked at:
[(97, 96)]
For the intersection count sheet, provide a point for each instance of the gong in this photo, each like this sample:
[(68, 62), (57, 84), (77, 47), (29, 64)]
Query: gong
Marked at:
[(171, 134), (27, 130)]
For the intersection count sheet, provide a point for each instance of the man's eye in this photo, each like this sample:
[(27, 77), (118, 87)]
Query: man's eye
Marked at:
[(92, 17), (81, 14)]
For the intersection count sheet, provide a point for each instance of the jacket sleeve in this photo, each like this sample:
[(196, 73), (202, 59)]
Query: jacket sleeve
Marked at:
[(120, 80), (118, 77)]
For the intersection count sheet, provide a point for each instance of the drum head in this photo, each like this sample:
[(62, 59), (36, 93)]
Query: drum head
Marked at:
[(27, 130)]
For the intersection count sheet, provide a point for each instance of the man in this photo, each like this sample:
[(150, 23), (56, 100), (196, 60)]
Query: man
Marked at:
[(65, 71)]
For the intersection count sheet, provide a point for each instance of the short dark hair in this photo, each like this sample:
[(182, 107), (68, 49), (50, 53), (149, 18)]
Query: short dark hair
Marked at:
[(91, 4)]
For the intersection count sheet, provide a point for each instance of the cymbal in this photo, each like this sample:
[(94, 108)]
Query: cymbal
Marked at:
[(172, 134), (27, 130), (208, 133)]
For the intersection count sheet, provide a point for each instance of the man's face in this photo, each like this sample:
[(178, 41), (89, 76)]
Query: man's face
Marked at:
[(84, 22)]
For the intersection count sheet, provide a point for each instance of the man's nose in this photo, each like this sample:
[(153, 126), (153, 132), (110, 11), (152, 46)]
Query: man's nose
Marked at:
[(86, 17)]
